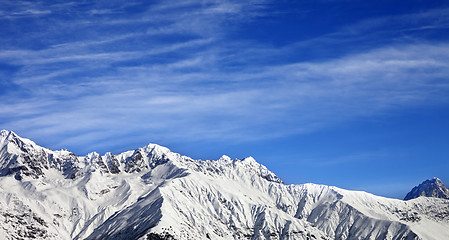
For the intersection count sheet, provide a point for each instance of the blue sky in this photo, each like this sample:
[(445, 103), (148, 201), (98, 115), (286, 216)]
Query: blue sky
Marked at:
[(349, 93)]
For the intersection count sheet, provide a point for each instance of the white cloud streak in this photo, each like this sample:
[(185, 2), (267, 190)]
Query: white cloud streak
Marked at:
[(300, 98), (83, 87)]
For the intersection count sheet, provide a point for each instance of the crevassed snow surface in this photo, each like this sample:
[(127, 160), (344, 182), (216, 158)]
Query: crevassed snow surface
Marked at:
[(153, 193)]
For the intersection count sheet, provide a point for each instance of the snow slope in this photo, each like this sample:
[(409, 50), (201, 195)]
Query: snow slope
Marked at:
[(153, 193)]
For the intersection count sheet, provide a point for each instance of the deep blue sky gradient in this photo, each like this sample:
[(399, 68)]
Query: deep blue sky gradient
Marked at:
[(339, 92)]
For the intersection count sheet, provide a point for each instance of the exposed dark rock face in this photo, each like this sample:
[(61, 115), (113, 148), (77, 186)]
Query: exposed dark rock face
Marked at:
[(134, 163), (163, 236), (113, 163), (430, 188)]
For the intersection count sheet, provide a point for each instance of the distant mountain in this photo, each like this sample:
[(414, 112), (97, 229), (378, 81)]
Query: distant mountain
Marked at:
[(430, 188), (153, 193)]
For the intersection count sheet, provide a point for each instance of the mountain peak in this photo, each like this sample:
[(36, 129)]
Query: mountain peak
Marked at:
[(4, 132), (429, 188), (22, 157), (8, 133), (12, 137), (437, 180)]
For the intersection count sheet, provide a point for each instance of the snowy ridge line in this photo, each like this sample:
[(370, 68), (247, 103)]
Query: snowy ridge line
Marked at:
[(37, 159), (153, 193)]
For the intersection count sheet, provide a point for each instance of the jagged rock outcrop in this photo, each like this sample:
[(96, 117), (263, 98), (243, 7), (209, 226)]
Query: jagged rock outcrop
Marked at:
[(429, 188)]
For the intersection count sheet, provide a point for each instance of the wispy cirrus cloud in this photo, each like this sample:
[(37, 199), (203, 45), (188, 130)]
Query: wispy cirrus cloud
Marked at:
[(22, 9), (297, 98), (163, 72), (66, 53)]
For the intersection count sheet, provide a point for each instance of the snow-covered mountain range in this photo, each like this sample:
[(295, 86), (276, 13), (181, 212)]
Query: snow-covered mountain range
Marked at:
[(153, 193)]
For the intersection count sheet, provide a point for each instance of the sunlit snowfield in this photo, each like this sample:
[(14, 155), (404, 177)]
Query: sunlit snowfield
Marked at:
[(346, 93)]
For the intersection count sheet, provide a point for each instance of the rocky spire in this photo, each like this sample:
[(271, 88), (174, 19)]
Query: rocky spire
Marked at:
[(430, 188)]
